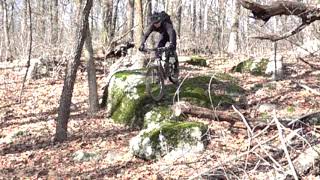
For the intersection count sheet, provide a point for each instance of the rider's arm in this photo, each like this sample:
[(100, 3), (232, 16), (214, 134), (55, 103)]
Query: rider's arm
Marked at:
[(172, 34), (146, 35)]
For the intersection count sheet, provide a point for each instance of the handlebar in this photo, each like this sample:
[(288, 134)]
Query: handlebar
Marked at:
[(160, 49)]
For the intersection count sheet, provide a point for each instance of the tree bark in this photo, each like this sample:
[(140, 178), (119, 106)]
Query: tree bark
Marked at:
[(130, 18), (138, 16), (55, 22), (187, 108), (92, 80), (6, 29), (194, 17), (114, 19), (71, 73), (179, 18), (107, 20), (29, 51), (233, 39)]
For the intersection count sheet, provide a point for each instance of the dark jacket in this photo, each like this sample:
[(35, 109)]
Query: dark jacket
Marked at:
[(168, 34)]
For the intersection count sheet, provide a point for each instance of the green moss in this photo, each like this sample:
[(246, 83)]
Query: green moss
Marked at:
[(195, 91), (117, 96), (233, 88), (260, 67), (124, 74), (226, 77), (265, 116), (125, 112), (198, 61), (174, 132), (126, 103), (256, 87), (250, 66), (243, 66), (290, 109), (158, 114), (271, 86)]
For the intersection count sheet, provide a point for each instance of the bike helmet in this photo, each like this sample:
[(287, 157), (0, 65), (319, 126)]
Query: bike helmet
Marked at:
[(156, 18)]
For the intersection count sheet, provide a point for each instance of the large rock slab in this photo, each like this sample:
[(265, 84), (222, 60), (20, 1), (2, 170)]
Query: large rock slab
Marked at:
[(169, 138), (126, 97), (252, 66), (164, 132)]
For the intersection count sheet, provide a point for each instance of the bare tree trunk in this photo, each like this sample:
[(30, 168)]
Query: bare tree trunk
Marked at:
[(71, 73), (92, 80), (179, 16), (138, 22), (29, 52), (6, 29), (200, 18), (55, 22), (153, 41), (43, 20), (130, 17), (107, 20), (194, 18), (114, 19), (233, 39)]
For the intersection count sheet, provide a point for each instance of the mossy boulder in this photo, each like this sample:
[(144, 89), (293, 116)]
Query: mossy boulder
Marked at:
[(14, 135), (254, 66), (128, 102), (168, 138), (223, 90), (197, 61), (126, 97)]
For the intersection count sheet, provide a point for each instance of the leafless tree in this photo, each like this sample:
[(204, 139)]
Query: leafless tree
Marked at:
[(138, 18), (233, 39), (71, 73)]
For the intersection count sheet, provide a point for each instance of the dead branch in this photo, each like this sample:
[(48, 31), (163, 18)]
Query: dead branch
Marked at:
[(284, 147), (313, 91), (306, 62), (307, 13), (183, 107)]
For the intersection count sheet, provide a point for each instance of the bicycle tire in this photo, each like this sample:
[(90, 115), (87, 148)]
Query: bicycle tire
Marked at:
[(171, 71), (155, 83)]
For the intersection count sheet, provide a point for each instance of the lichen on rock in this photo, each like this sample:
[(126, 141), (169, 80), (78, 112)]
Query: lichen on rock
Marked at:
[(126, 96), (168, 137), (253, 66), (197, 61)]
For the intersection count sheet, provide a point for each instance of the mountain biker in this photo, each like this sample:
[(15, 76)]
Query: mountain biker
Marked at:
[(161, 22)]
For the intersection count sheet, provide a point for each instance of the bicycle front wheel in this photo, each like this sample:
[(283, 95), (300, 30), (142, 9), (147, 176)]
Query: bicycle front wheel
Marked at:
[(155, 83)]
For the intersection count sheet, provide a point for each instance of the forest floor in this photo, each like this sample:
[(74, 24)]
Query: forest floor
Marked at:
[(33, 154)]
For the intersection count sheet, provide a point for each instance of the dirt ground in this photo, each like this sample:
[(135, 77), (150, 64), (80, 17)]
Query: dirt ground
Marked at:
[(33, 154)]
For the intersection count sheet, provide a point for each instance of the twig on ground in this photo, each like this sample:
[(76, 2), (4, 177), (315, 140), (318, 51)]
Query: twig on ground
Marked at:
[(243, 119), (177, 93), (309, 89), (284, 147)]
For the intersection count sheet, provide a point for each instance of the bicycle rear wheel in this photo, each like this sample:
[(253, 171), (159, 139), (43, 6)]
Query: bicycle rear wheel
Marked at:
[(155, 83), (172, 77)]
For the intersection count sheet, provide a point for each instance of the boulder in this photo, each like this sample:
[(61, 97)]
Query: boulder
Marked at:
[(126, 95), (252, 66), (275, 66), (129, 104), (169, 138), (197, 61)]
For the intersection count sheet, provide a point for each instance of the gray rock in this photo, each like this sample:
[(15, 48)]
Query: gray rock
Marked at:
[(84, 156), (173, 139), (266, 108), (273, 66)]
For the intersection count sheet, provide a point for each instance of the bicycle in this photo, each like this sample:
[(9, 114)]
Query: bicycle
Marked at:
[(158, 72)]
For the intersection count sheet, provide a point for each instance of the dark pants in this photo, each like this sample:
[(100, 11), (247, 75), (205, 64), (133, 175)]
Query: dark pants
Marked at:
[(164, 38)]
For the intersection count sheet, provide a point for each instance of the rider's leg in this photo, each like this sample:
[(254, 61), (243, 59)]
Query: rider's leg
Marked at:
[(162, 42)]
